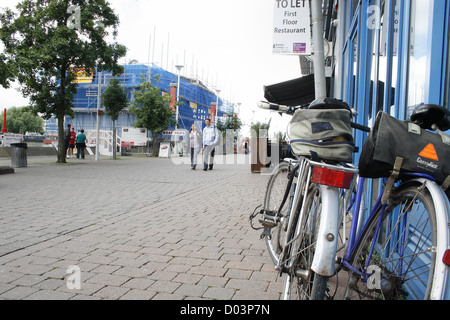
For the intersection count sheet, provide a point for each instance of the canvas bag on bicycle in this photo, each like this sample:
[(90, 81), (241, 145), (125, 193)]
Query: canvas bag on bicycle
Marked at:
[(422, 151), (325, 132)]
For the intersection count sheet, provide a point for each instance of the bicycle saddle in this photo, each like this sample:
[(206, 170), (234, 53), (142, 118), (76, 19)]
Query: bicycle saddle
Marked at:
[(329, 103), (426, 115)]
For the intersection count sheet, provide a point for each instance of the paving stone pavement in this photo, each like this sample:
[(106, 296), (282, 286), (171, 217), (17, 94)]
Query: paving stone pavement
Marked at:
[(133, 228)]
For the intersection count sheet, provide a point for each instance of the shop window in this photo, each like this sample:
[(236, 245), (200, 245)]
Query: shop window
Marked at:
[(377, 75), (388, 61), (354, 6), (418, 38)]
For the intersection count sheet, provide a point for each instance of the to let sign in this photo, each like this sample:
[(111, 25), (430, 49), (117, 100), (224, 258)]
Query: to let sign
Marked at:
[(291, 27)]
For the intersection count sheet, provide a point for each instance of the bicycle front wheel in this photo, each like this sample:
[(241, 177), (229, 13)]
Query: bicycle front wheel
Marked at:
[(394, 254)]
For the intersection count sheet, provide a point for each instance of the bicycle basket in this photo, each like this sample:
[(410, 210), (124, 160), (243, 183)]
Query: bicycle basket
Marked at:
[(422, 151), (326, 132)]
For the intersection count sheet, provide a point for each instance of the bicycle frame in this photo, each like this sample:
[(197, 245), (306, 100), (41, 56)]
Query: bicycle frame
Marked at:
[(326, 247), (442, 208)]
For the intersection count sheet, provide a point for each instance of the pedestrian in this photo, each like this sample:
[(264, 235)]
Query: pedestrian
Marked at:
[(81, 144), (73, 136), (194, 143), (210, 139), (66, 138)]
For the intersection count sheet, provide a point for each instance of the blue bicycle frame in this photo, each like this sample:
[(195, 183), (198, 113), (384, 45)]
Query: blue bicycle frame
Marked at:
[(354, 238)]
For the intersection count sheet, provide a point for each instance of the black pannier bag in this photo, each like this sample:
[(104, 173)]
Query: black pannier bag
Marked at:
[(422, 151)]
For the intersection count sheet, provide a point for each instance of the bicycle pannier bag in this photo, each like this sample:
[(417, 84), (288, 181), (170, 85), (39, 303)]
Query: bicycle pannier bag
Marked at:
[(422, 151), (326, 132)]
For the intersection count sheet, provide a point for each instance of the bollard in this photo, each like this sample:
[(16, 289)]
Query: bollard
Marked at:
[(18, 155)]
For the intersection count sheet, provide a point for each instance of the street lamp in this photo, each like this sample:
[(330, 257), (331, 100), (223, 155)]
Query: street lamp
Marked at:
[(179, 67), (97, 137)]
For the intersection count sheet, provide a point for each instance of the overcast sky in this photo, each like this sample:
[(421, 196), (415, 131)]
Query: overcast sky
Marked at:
[(226, 43)]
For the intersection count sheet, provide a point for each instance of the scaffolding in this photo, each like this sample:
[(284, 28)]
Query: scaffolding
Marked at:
[(196, 97)]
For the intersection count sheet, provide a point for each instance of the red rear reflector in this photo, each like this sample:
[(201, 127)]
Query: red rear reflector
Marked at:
[(446, 258), (333, 178)]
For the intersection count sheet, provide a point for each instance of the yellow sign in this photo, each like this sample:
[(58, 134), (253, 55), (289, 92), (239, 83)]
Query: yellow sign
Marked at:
[(82, 75)]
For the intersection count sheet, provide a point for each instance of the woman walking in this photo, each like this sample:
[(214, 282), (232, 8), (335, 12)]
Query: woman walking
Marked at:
[(194, 143)]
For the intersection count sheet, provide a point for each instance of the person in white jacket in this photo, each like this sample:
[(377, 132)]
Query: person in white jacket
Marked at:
[(195, 141), (210, 140)]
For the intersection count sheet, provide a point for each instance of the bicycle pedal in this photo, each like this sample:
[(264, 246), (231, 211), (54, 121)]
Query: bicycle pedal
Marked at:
[(268, 218)]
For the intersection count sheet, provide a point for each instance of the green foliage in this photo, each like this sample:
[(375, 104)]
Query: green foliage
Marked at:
[(259, 129), (280, 136), (7, 71), (232, 123), (151, 108), (46, 38), (114, 99), (21, 120)]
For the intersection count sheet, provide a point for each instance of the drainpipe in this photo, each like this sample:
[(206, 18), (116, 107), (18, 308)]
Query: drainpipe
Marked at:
[(318, 49)]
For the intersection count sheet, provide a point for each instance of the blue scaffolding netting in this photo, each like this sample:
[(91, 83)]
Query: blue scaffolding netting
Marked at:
[(195, 98)]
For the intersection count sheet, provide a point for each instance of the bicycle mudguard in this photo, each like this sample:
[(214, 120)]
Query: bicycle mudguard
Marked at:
[(327, 237), (441, 281)]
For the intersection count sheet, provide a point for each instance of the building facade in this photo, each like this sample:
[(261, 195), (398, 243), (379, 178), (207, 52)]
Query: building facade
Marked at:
[(197, 101), (389, 55)]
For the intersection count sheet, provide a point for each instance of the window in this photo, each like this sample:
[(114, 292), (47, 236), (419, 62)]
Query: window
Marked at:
[(417, 66), (388, 61), (354, 6), (447, 78)]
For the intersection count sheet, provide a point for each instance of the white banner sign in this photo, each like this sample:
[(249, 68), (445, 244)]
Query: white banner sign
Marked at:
[(292, 30)]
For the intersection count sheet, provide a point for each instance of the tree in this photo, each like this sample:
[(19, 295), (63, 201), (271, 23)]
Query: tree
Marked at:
[(114, 101), (21, 120), (7, 72), (231, 123), (228, 129), (47, 39), (152, 110)]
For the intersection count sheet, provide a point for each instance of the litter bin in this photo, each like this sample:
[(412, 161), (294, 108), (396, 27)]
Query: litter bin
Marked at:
[(18, 155)]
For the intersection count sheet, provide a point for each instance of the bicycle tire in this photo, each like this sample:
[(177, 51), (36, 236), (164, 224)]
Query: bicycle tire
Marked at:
[(276, 188), (302, 282), (401, 262)]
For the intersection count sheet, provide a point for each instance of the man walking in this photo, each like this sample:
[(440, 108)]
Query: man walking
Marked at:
[(210, 139)]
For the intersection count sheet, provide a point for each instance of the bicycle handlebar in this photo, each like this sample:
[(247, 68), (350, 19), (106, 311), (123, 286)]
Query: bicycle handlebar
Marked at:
[(276, 107), (359, 127), (291, 110)]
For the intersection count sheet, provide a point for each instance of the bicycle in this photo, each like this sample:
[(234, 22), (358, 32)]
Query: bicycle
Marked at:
[(397, 251)]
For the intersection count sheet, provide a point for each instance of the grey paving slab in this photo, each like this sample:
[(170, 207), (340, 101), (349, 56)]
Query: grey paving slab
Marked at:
[(136, 228)]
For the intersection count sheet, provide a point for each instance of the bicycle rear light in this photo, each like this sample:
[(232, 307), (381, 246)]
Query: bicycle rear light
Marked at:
[(333, 178), (446, 258)]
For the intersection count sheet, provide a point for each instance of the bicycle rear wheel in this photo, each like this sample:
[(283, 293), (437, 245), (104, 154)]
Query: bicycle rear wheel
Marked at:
[(394, 252), (301, 281), (276, 188)]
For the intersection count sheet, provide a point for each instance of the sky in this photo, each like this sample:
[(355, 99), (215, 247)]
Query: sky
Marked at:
[(225, 43)]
